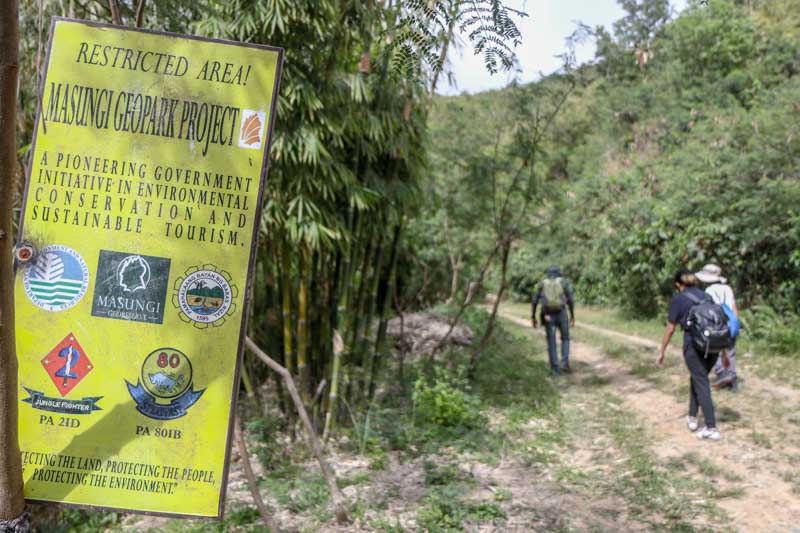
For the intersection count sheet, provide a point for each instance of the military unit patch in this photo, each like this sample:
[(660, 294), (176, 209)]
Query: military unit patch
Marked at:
[(164, 389), (67, 365)]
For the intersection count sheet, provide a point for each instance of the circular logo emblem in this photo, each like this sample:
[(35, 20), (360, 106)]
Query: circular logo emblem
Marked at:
[(205, 296), (166, 373), (58, 279), (133, 273)]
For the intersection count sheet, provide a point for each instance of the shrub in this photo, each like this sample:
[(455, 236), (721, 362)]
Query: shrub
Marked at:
[(445, 511), (780, 333), (440, 475), (445, 402)]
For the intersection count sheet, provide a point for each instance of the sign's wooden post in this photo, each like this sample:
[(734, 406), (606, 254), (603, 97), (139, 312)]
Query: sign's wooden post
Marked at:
[(12, 503)]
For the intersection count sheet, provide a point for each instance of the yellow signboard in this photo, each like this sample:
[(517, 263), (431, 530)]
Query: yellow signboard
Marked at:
[(142, 205)]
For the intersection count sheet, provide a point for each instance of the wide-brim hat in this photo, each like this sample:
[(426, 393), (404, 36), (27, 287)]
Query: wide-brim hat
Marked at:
[(710, 274)]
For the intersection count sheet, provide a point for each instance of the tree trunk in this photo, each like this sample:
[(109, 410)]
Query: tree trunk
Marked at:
[(113, 7), (455, 264), (12, 503), (140, 13), (478, 351), (467, 301)]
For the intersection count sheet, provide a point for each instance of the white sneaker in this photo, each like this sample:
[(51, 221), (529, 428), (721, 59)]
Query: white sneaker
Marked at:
[(708, 433), (692, 423)]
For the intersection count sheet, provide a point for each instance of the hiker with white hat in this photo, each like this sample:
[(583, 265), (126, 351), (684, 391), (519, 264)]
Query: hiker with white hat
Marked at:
[(721, 293)]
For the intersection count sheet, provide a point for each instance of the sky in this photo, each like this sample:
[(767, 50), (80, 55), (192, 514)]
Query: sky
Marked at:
[(548, 23)]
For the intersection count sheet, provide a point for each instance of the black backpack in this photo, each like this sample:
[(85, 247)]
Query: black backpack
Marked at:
[(707, 325)]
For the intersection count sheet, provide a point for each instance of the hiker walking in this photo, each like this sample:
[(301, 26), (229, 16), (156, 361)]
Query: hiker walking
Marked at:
[(721, 293), (699, 363), (555, 294)]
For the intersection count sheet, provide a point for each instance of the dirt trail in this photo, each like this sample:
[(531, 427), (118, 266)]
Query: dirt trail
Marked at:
[(759, 445), (775, 391)]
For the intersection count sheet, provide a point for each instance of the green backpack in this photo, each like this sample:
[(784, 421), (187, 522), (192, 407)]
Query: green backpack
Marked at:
[(553, 293)]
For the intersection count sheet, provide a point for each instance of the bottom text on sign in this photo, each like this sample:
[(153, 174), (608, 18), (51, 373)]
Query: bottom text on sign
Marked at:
[(163, 433)]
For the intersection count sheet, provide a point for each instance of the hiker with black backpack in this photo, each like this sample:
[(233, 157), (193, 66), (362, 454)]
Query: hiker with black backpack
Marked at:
[(555, 294), (706, 334)]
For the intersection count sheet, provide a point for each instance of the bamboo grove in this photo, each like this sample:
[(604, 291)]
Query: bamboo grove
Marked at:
[(347, 163)]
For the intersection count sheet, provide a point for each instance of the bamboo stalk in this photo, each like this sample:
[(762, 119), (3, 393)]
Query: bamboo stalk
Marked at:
[(335, 291), (323, 344), (398, 309), (384, 294), (338, 348), (268, 264), (283, 403), (364, 347), (333, 396), (280, 253), (350, 312), (341, 271), (314, 443), (358, 313), (350, 279), (316, 357), (364, 277), (302, 327), (286, 308)]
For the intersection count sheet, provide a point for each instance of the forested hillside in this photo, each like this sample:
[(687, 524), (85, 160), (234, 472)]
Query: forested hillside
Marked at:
[(678, 147)]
